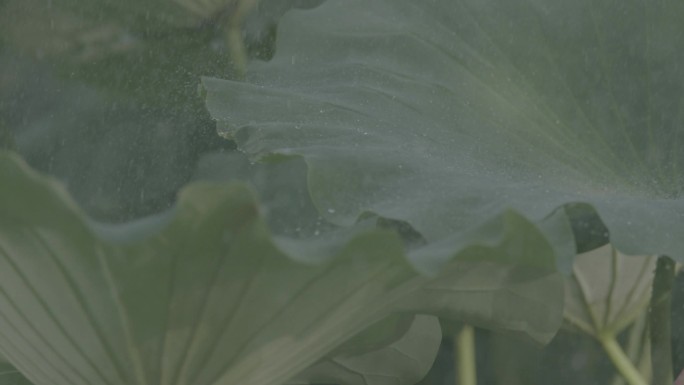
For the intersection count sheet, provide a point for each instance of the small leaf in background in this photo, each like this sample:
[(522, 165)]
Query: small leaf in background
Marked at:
[(608, 290)]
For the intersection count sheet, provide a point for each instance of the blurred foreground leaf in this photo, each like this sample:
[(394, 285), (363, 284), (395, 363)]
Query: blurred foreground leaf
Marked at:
[(203, 294)]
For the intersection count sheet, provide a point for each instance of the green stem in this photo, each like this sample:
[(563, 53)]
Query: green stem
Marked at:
[(635, 348), (622, 363), (238, 52), (659, 321), (234, 39), (464, 351)]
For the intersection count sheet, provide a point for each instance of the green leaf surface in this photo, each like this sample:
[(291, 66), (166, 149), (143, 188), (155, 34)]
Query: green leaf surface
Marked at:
[(6, 137), (281, 187), (204, 295), (444, 114), (607, 291), (405, 361), (9, 375)]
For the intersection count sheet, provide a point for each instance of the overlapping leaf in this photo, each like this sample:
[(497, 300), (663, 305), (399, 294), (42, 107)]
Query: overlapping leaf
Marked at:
[(204, 295), (405, 361), (445, 113)]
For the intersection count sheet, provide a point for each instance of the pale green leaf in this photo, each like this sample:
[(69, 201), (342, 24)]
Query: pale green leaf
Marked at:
[(607, 290), (444, 114)]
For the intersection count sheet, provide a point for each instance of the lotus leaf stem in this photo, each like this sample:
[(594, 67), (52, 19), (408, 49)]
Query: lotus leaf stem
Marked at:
[(622, 363), (464, 351), (659, 320)]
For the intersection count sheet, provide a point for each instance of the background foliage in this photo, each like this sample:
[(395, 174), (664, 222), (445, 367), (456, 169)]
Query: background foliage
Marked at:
[(105, 99)]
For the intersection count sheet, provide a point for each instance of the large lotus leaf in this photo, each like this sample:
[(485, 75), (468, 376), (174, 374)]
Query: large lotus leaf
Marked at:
[(607, 290), (202, 294), (283, 192), (444, 113)]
